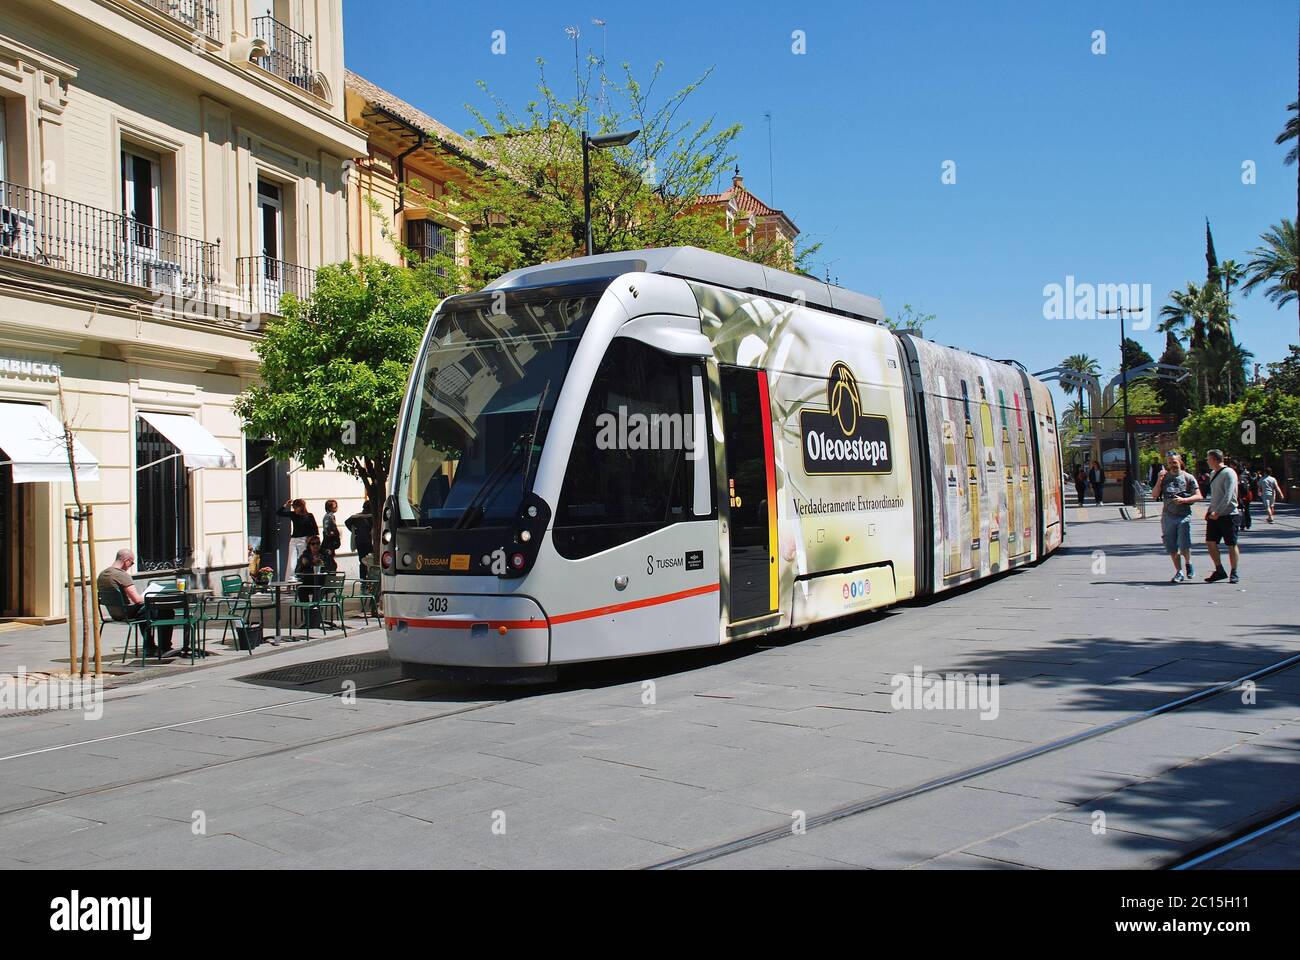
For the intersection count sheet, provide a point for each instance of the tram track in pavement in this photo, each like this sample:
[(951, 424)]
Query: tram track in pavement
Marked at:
[(901, 794), (229, 761), (1258, 828)]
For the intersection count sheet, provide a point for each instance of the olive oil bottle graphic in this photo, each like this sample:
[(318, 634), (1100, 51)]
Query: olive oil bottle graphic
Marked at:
[(953, 527), (1025, 501), (990, 475), (972, 479), (1010, 503)]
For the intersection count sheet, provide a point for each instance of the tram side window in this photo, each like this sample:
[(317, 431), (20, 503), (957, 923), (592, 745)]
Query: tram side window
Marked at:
[(631, 470)]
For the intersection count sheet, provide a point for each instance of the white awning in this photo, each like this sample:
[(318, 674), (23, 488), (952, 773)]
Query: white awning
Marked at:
[(198, 447), (32, 440)]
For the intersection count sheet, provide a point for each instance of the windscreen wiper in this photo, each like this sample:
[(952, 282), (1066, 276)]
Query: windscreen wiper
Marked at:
[(474, 510)]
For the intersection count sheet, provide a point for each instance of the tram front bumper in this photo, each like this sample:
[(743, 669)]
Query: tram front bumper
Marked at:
[(469, 630)]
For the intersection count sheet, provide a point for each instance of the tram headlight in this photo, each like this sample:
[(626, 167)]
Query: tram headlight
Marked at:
[(524, 536), (388, 536)]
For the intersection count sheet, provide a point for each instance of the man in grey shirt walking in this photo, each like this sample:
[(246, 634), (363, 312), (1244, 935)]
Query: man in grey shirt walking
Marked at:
[(1178, 489), (1221, 517)]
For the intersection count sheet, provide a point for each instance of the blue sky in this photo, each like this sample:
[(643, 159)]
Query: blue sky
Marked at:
[(1103, 167)]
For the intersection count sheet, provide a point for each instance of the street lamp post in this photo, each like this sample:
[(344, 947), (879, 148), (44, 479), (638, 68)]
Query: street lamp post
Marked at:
[(1130, 493), (602, 142)]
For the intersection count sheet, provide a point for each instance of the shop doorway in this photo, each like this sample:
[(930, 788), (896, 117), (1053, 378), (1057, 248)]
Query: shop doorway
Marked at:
[(266, 487), (15, 543)]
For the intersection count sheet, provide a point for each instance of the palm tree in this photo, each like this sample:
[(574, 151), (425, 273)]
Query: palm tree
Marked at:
[(1230, 272), (1276, 265), (1290, 132), (1083, 365), (1201, 314), (1203, 307)]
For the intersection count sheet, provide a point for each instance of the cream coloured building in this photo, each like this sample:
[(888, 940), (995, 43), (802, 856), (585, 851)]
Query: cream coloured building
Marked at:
[(168, 168)]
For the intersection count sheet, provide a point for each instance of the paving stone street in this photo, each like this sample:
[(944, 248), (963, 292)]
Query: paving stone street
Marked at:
[(272, 763)]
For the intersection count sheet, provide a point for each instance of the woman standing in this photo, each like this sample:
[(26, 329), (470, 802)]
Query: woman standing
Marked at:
[(330, 538), (303, 526), (1080, 482)]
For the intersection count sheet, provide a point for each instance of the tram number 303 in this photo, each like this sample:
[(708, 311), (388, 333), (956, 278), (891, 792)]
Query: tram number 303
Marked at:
[(437, 604)]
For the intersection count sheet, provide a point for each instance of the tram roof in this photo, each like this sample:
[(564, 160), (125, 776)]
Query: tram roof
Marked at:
[(692, 263)]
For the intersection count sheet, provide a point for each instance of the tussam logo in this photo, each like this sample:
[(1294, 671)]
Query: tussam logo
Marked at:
[(842, 440), (75, 913)]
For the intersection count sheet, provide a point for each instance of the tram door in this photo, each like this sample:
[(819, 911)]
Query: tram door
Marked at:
[(750, 489)]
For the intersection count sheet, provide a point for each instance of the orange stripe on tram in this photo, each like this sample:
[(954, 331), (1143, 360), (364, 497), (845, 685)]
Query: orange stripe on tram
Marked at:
[(769, 462), (560, 618)]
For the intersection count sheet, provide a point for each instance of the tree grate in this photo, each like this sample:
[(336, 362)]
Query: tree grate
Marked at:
[(318, 670)]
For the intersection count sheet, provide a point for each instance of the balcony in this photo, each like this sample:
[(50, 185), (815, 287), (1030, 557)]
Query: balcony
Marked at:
[(39, 228), (289, 52), (263, 281), (201, 16)]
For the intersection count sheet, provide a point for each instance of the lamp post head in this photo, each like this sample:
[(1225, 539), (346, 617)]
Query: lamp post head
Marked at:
[(606, 140)]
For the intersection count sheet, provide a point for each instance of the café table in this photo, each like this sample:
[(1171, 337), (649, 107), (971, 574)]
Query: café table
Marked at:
[(278, 587)]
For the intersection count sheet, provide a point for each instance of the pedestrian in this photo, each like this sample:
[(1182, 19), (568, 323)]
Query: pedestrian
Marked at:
[(1080, 482), (1269, 491), (1098, 480), (1245, 491), (1203, 481), (1178, 489), (303, 526), (1221, 518), (330, 538), (361, 525), (115, 585)]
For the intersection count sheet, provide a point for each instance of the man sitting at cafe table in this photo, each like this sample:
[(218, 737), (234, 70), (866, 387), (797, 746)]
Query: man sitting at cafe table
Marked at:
[(116, 577)]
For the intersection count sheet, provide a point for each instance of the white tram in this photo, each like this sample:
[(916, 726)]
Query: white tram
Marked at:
[(665, 449)]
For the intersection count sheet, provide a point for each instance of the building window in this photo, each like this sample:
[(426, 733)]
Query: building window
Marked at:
[(142, 196), (428, 239), (4, 146), (615, 493), (162, 502)]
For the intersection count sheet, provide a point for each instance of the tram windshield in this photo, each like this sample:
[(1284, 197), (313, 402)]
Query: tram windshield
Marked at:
[(486, 388)]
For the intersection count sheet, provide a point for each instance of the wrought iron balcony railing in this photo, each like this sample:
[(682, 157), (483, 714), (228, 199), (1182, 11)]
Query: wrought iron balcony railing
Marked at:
[(202, 16), (38, 227), (263, 281), (289, 55)]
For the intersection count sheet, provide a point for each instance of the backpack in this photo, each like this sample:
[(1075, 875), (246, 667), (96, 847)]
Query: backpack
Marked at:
[(332, 539)]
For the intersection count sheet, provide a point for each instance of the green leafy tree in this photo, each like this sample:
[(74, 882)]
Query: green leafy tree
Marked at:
[(1135, 355), (1275, 266), (1212, 427), (1175, 397), (334, 369), (526, 205), (910, 318), (1284, 375), (1276, 417)]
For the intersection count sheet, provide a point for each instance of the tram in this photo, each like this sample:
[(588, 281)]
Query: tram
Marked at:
[(667, 449)]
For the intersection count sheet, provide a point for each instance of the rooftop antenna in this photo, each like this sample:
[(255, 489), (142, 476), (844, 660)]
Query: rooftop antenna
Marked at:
[(771, 185), (604, 99), (573, 33)]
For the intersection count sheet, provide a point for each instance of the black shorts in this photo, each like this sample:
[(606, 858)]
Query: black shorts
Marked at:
[(1221, 528)]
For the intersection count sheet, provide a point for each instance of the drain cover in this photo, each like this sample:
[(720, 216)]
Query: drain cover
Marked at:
[(317, 670)]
